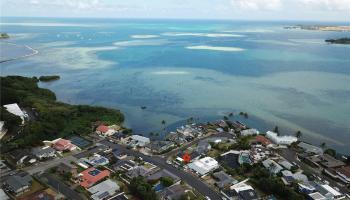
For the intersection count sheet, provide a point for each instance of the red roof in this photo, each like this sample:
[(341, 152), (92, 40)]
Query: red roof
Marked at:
[(102, 128), (92, 175), (62, 144), (263, 140)]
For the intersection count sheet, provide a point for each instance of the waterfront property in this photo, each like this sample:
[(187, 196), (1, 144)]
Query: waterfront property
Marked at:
[(309, 148), (281, 140), (138, 140)]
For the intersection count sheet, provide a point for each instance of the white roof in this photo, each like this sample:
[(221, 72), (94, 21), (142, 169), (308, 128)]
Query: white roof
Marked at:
[(242, 186), (204, 165), (331, 190), (140, 138), (317, 196), (14, 109), (3, 195), (285, 139), (107, 187)]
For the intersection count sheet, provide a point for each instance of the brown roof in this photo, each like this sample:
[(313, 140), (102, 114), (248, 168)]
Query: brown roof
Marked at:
[(345, 170), (263, 140)]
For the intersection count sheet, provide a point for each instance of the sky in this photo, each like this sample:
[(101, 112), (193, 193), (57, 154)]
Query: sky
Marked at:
[(318, 10)]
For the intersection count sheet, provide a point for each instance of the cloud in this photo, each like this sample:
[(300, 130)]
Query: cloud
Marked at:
[(335, 5), (257, 4)]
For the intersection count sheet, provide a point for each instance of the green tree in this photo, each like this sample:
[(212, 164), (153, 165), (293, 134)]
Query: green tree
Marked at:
[(331, 152), (141, 189), (298, 134), (323, 145), (276, 130), (166, 181)]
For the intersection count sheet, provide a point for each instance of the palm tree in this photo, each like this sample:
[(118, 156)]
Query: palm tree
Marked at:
[(276, 130), (230, 115), (163, 121), (323, 145), (225, 118), (157, 134), (298, 134)]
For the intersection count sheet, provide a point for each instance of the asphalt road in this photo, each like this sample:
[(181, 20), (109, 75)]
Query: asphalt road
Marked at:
[(61, 187), (192, 180)]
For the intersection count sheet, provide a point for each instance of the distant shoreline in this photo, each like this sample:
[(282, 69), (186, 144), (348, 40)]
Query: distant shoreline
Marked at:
[(34, 52)]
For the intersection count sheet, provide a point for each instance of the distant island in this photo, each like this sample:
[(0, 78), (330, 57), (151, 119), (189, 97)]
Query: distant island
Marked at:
[(338, 41), (49, 78), (4, 36), (320, 28)]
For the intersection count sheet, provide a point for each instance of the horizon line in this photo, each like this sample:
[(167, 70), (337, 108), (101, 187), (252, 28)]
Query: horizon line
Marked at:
[(173, 18)]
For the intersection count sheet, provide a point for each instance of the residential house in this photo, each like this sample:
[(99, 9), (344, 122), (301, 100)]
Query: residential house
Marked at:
[(44, 152), (285, 164), (281, 140), (65, 167), (223, 180), (344, 174), (104, 190), (124, 165), (230, 159), (328, 161), (91, 176), (105, 130), (61, 145), (163, 173), (204, 165), (160, 146), (97, 160), (317, 196), (242, 191), (18, 183), (272, 166), (248, 132), (21, 157), (138, 171), (307, 187), (308, 148), (174, 192), (139, 140), (329, 192), (16, 110), (263, 140)]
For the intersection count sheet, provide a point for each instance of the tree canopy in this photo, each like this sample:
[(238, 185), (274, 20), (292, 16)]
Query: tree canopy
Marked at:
[(52, 118)]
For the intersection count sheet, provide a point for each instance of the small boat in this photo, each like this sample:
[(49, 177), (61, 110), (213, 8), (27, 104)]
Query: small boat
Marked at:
[(143, 107)]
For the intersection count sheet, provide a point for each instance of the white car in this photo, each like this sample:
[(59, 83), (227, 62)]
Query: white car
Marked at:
[(207, 198)]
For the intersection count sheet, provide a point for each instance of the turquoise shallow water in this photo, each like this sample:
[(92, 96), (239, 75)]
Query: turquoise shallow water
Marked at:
[(201, 69)]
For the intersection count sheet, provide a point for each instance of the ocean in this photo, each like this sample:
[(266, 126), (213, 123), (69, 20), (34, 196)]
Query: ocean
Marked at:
[(179, 69)]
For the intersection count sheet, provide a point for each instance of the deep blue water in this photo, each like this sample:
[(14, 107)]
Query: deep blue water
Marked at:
[(186, 68)]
